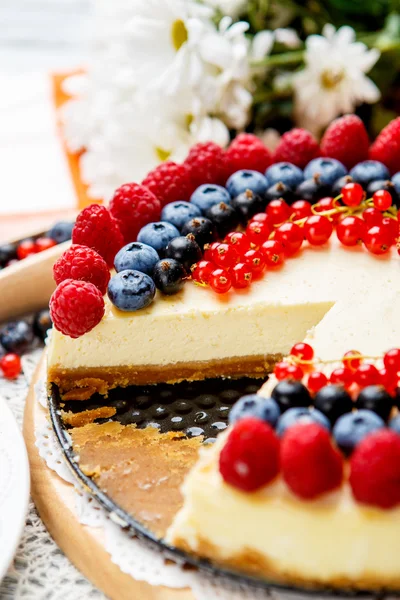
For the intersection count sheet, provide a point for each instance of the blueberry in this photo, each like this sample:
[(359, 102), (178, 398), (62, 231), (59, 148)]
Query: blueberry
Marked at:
[(16, 336), (169, 276), (351, 428), (312, 189), (382, 184), (224, 217), (376, 398), (290, 393), (301, 415), (131, 290), (286, 173), (328, 169), (368, 170), (244, 180), (254, 405), (185, 250), (280, 191), (396, 182), (339, 184), (7, 252), (203, 230), (177, 213), (333, 401), (208, 194), (247, 204), (61, 231), (157, 235), (136, 256), (42, 323), (395, 424)]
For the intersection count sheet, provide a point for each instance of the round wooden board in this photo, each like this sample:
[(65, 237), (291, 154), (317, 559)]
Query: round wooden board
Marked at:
[(84, 546)]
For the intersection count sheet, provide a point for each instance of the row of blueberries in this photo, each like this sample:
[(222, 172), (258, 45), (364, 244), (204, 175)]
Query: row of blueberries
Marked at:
[(332, 407)]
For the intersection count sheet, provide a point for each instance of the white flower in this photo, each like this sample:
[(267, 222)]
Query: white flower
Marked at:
[(232, 8), (333, 81)]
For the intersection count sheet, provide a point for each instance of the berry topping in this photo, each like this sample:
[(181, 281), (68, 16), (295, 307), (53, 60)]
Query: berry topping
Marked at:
[(301, 414), (169, 275), (378, 239), (220, 281), (224, 217), (61, 231), (333, 401), (302, 351), (133, 206), (259, 231), (42, 323), (367, 171), (185, 250), (254, 405), (247, 151), (131, 290), (316, 380), (26, 248), (278, 211), (169, 182), (301, 209), (206, 163), (280, 191), (244, 180), (353, 427), (366, 374), (250, 458), (224, 255), (83, 264), (310, 464), (313, 189), (327, 169), (202, 270), (273, 253), (96, 228), (202, 229), (158, 235), (386, 147), (350, 230), (317, 230), (205, 196), (342, 376), (242, 275), (372, 216), (247, 204), (297, 147), (336, 188), (376, 398), (290, 236), (352, 194), (385, 185), (239, 241), (137, 257), (289, 394), (178, 213), (346, 139), (255, 260), (382, 200), (76, 307), (391, 360), (10, 366), (375, 470), (16, 337), (44, 243), (7, 252), (284, 172)]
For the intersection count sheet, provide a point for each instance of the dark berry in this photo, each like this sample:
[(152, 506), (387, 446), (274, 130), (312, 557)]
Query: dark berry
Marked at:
[(382, 184), (376, 398), (185, 250), (246, 179), (136, 256), (368, 171), (290, 393), (203, 230), (301, 414), (157, 235), (248, 204), (254, 405), (333, 401), (169, 276), (353, 427), (280, 191), (16, 337), (339, 184), (286, 173), (328, 170), (177, 213), (207, 195), (224, 217), (7, 252), (42, 323), (312, 189), (131, 290), (61, 231)]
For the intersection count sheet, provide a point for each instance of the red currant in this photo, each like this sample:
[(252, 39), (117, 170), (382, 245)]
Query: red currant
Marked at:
[(258, 231), (290, 236), (26, 248), (316, 380), (224, 255), (278, 211), (303, 351), (260, 217), (350, 231), (389, 380), (44, 243), (378, 239), (220, 281), (209, 249), (202, 271), (391, 360), (241, 276), (352, 194), (238, 240), (341, 376), (352, 359), (366, 374), (295, 372), (273, 253), (10, 364), (372, 216), (382, 200), (301, 209), (392, 227), (280, 370), (317, 230), (326, 204), (255, 260)]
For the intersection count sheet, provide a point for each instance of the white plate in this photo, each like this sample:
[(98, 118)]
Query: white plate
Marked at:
[(14, 486)]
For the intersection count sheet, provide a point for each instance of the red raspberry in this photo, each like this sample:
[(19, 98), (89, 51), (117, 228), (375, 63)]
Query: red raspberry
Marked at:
[(346, 139), (375, 469), (83, 264), (386, 147), (310, 464), (76, 307), (206, 163), (169, 182), (247, 151), (250, 458), (96, 228), (298, 147), (133, 206)]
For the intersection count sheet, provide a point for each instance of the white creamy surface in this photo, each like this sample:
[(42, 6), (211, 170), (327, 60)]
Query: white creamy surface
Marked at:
[(198, 324)]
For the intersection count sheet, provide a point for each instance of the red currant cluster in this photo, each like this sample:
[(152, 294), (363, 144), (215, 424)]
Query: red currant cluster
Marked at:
[(10, 365), (354, 373), (29, 247)]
